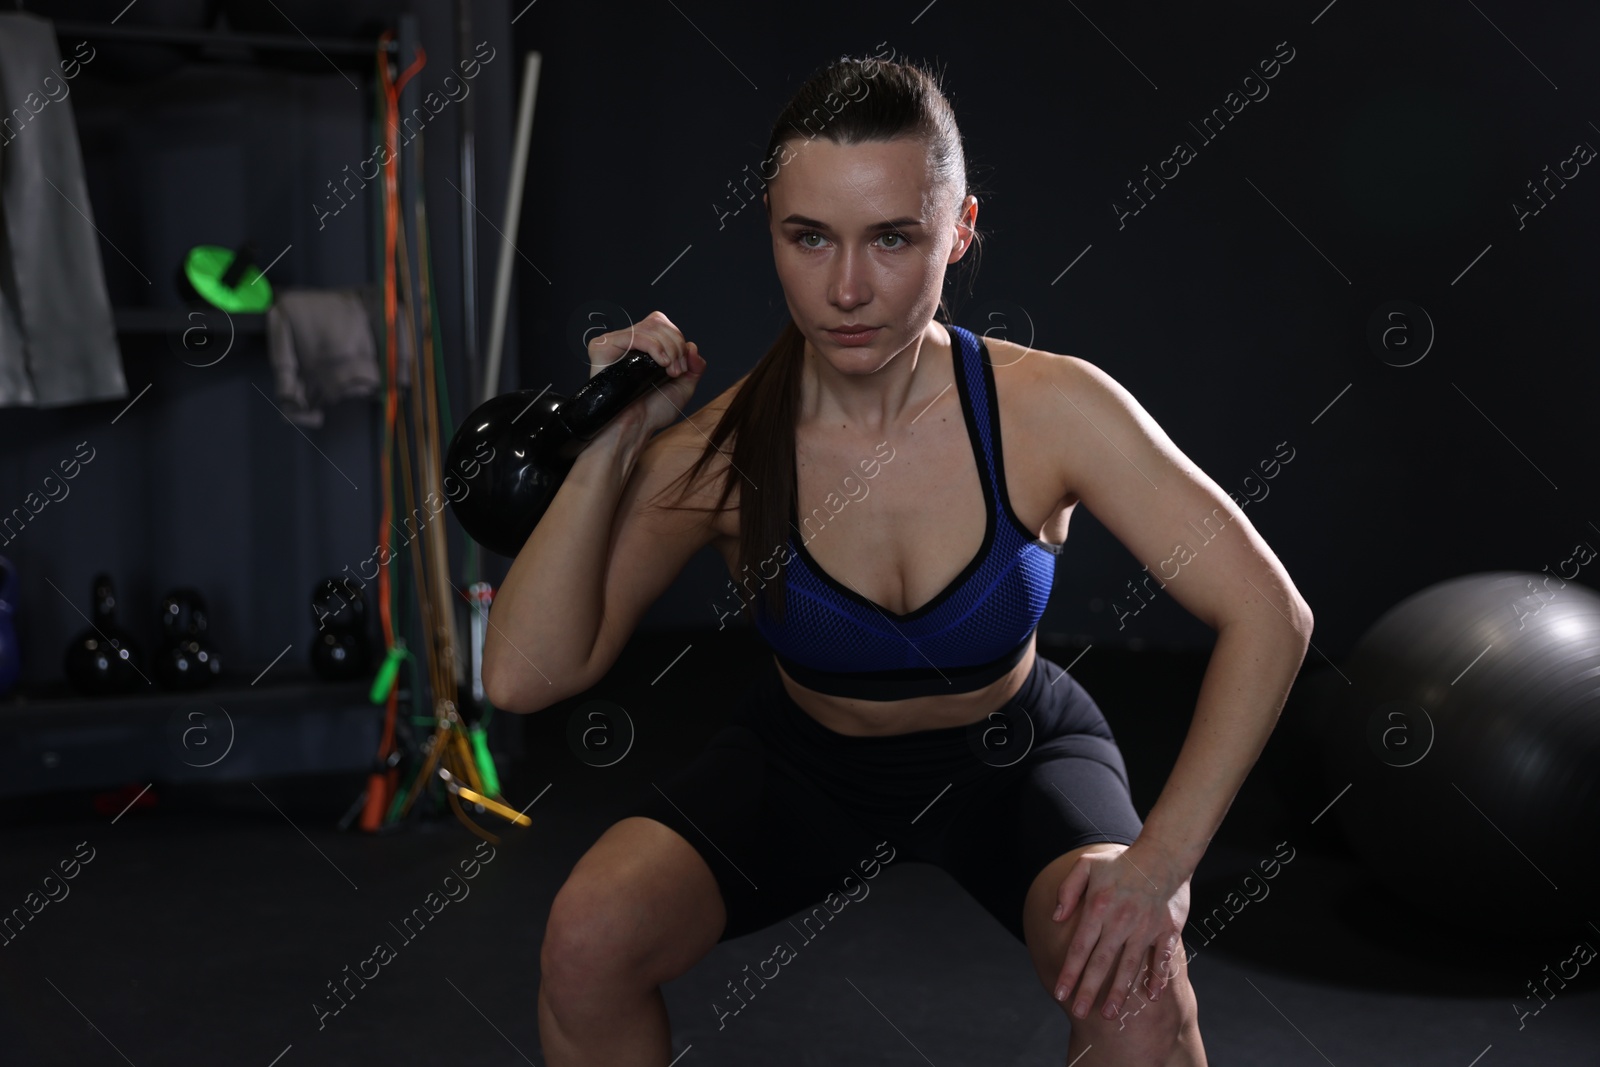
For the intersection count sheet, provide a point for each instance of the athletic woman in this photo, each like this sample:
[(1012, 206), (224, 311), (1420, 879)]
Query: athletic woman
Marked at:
[(905, 713)]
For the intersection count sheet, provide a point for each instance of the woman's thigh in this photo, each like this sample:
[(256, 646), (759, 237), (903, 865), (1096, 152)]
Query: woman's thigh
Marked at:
[(1072, 791), (772, 841)]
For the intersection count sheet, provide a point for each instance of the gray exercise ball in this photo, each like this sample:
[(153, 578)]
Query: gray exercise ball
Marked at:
[(1468, 732)]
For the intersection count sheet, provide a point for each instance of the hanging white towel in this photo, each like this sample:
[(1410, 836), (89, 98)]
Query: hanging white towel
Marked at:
[(322, 344), (58, 340)]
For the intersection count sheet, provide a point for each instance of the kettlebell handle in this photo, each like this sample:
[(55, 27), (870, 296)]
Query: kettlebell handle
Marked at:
[(603, 397)]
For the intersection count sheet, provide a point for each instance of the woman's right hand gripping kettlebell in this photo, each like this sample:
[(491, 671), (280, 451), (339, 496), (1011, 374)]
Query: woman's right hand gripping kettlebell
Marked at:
[(655, 334)]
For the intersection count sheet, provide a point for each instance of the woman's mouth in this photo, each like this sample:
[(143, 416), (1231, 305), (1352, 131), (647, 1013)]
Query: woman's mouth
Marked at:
[(855, 335)]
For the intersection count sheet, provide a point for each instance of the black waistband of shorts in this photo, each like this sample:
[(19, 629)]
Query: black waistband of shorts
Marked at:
[(769, 704), (882, 773), (908, 682)]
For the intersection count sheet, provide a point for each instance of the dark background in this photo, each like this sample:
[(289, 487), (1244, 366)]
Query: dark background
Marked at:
[(1383, 166), (1395, 143)]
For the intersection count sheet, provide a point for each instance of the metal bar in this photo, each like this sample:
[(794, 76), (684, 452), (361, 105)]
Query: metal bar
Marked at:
[(469, 225), (105, 31), (513, 214)]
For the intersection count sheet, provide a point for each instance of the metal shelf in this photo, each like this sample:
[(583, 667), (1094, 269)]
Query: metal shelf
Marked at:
[(280, 42), (297, 726), (59, 703), (130, 320)]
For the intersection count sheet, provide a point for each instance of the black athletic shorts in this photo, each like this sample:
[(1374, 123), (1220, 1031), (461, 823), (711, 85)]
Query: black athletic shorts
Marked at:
[(784, 810)]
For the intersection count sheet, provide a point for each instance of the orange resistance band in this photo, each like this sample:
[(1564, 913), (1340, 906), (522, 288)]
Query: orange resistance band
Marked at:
[(380, 789)]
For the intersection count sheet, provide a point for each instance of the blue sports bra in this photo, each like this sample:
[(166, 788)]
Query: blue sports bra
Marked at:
[(834, 640)]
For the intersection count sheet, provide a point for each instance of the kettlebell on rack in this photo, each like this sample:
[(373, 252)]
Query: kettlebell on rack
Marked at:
[(187, 659), (522, 444), (340, 651), (104, 659)]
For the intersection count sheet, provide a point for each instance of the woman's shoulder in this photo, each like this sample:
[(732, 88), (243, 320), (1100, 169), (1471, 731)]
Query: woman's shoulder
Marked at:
[(1005, 355), (1032, 381), (1037, 393), (1029, 378)]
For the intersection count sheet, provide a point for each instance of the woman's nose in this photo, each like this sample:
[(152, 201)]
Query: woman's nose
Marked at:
[(848, 286)]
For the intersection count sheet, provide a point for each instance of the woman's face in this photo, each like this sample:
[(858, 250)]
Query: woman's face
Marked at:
[(861, 236)]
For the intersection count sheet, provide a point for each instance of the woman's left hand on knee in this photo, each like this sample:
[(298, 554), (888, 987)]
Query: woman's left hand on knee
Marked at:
[(1129, 901)]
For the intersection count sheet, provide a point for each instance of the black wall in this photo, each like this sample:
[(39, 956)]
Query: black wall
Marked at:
[(1395, 141)]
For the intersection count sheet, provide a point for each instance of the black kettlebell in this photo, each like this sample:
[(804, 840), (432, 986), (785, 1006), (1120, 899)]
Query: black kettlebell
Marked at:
[(104, 659), (514, 450), (339, 651), (187, 659)]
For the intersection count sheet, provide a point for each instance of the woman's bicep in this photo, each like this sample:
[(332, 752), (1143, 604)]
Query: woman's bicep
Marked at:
[(1173, 517)]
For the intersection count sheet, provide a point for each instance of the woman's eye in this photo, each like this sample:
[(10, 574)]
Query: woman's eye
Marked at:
[(802, 237)]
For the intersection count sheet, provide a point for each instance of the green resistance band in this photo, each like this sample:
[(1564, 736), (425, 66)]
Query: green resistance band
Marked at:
[(388, 672), (480, 748)]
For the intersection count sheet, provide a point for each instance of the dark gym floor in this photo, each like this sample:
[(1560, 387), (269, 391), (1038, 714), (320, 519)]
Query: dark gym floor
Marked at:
[(206, 928)]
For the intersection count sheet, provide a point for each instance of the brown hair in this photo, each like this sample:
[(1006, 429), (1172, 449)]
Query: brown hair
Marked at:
[(901, 100)]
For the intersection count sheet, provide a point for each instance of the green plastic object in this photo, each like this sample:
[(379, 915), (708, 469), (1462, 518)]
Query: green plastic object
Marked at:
[(387, 674), (480, 749), (205, 266), (398, 803)]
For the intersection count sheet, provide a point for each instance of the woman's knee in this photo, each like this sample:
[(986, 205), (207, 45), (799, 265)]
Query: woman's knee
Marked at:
[(587, 938), (591, 972), (1154, 1027), (638, 910)]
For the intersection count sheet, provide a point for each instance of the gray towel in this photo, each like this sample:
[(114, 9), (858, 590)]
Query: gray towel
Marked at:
[(58, 341), (322, 344)]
